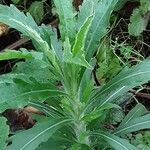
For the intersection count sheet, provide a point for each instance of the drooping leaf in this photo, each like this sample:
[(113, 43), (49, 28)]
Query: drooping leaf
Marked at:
[(19, 93), (46, 109), (13, 54), (38, 70), (41, 132), (134, 125), (115, 142), (4, 132), (37, 11), (53, 144), (67, 19), (26, 25), (99, 26)]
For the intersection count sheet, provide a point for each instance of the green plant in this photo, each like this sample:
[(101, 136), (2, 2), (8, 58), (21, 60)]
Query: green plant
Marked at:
[(139, 19), (141, 140), (36, 8), (75, 109)]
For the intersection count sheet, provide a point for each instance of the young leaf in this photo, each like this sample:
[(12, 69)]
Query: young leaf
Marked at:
[(136, 112), (78, 46), (116, 142), (67, 19), (4, 132), (99, 26), (41, 132), (86, 9), (134, 125), (69, 58)]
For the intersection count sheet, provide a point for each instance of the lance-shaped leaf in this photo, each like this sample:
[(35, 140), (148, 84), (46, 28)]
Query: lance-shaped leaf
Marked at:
[(68, 56), (115, 142), (86, 9), (134, 125), (77, 56), (123, 82), (4, 132), (67, 19), (99, 26), (19, 93), (137, 111), (41, 132), (78, 46), (26, 25)]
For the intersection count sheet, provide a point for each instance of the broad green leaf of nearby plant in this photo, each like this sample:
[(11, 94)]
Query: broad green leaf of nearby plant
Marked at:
[(136, 124), (4, 132), (138, 23), (109, 64), (37, 11), (116, 142), (41, 132), (16, 1)]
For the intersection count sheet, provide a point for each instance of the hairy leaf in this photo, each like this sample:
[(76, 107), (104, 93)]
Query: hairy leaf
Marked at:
[(41, 132), (19, 93), (26, 25), (69, 58)]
